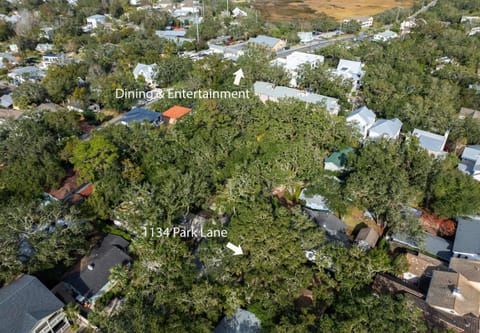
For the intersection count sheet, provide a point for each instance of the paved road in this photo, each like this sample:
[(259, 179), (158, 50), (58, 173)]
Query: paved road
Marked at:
[(312, 46), (423, 9)]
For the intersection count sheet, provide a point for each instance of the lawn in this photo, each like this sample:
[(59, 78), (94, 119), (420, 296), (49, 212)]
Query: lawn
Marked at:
[(340, 9), (354, 219)]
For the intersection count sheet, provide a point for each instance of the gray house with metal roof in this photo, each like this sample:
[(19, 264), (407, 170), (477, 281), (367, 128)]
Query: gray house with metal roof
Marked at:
[(242, 321), (27, 306), (470, 163), (385, 128), (270, 43), (467, 239), (433, 143), (269, 92)]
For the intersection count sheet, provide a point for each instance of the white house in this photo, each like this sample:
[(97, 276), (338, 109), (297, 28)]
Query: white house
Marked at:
[(314, 201), (51, 58), (407, 26), (294, 62), (94, 22), (474, 31), (148, 72), (268, 92), (362, 119), (385, 36), (365, 21), (433, 143), (470, 163), (350, 70), (237, 12), (385, 128), (44, 47), (305, 36)]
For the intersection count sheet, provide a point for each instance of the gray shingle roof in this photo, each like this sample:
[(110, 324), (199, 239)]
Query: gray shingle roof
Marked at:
[(241, 322), (25, 302), (110, 252), (434, 245), (327, 221), (140, 115), (467, 238), (265, 41), (278, 92)]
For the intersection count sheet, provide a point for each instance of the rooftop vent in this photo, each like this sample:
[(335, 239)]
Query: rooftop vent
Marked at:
[(91, 266)]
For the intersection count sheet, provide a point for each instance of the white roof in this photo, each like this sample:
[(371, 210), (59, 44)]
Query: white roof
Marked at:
[(387, 127), (295, 60), (147, 71), (349, 66), (431, 141), (97, 17), (316, 201), (364, 115)]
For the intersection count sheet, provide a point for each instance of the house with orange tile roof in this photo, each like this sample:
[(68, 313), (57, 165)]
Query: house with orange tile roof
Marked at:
[(175, 112)]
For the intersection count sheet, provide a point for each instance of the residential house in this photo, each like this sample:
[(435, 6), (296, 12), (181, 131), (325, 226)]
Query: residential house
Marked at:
[(174, 113), (185, 11), (367, 238), (305, 36), (337, 160), (362, 119), (242, 321), (268, 92), (470, 19), (314, 201), (433, 143), (270, 43), (328, 221), (407, 26), (385, 36), (148, 72), (94, 22), (421, 266), (51, 58), (237, 12), (69, 191), (466, 113), (6, 101), (23, 74), (27, 306), (470, 163), (474, 31), (385, 128), (7, 59), (365, 21), (139, 115), (294, 62), (434, 245), (176, 36), (467, 244), (44, 47), (46, 33), (453, 293), (91, 279), (234, 52), (350, 70), (9, 114), (436, 320)]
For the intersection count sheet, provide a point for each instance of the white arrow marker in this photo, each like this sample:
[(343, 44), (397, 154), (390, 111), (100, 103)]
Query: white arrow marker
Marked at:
[(238, 76), (237, 250)]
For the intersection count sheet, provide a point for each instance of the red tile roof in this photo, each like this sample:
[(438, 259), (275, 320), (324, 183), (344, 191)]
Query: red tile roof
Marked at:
[(176, 112)]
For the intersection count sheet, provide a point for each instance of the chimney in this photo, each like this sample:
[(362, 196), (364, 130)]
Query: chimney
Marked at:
[(456, 292)]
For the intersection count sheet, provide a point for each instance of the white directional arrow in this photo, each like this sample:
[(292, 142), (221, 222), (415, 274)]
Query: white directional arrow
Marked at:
[(238, 76), (237, 250)]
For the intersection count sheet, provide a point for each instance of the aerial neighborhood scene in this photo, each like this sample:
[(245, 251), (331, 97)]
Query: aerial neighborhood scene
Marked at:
[(239, 166)]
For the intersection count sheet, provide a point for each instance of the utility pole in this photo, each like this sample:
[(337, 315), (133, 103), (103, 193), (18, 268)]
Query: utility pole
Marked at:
[(196, 9), (228, 10)]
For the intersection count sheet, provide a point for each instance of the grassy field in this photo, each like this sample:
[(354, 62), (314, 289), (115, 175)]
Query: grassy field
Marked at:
[(340, 9)]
